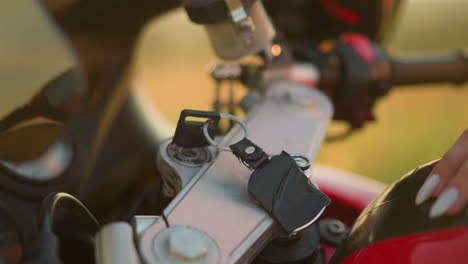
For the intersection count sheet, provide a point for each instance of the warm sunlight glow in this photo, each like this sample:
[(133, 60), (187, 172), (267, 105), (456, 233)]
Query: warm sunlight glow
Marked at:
[(276, 50)]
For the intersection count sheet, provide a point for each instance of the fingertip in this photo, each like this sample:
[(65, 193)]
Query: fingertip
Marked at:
[(453, 211), (459, 205), (445, 202), (427, 188)]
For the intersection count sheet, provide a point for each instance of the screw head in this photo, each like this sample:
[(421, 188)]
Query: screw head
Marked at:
[(249, 150), (187, 244)]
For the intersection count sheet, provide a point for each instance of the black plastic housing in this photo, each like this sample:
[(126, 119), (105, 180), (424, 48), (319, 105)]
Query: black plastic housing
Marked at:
[(210, 11)]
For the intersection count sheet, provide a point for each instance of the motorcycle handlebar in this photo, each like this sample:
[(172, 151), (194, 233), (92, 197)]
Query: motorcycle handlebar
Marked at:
[(423, 70), (356, 72)]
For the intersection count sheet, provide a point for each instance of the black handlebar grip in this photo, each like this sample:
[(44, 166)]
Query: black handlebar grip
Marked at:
[(447, 69)]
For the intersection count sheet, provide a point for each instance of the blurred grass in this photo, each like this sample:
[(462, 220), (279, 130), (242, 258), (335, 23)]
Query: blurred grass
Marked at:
[(415, 124)]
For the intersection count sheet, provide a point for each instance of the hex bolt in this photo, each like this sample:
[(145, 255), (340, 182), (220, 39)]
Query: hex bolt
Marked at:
[(249, 150), (188, 244)]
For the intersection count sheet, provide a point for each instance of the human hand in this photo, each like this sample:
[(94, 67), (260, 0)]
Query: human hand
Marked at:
[(448, 181)]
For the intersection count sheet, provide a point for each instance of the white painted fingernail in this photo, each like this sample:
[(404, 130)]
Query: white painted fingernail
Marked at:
[(444, 202), (427, 188)]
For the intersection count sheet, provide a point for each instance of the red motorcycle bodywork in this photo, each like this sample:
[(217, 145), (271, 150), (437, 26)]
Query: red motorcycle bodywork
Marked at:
[(350, 195), (386, 225), (445, 246)]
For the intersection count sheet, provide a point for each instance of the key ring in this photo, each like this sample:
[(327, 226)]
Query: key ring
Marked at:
[(227, 116)]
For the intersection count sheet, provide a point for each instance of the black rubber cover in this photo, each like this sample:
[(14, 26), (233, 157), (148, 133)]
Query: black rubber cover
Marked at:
[(394, 214), (210, 11), (285, 192), (305, 248), (258, 158)]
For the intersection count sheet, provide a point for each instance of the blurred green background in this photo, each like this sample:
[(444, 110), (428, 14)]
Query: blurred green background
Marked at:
[(415, 124)]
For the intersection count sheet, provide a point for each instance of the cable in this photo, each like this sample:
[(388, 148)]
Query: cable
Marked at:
[(154, 189), (47, 248), (56, 200)]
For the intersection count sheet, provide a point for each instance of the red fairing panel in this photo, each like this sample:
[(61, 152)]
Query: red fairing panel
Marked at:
[(342, 13), (443, 246), (347, 188), (328, 251), (350, 195)]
